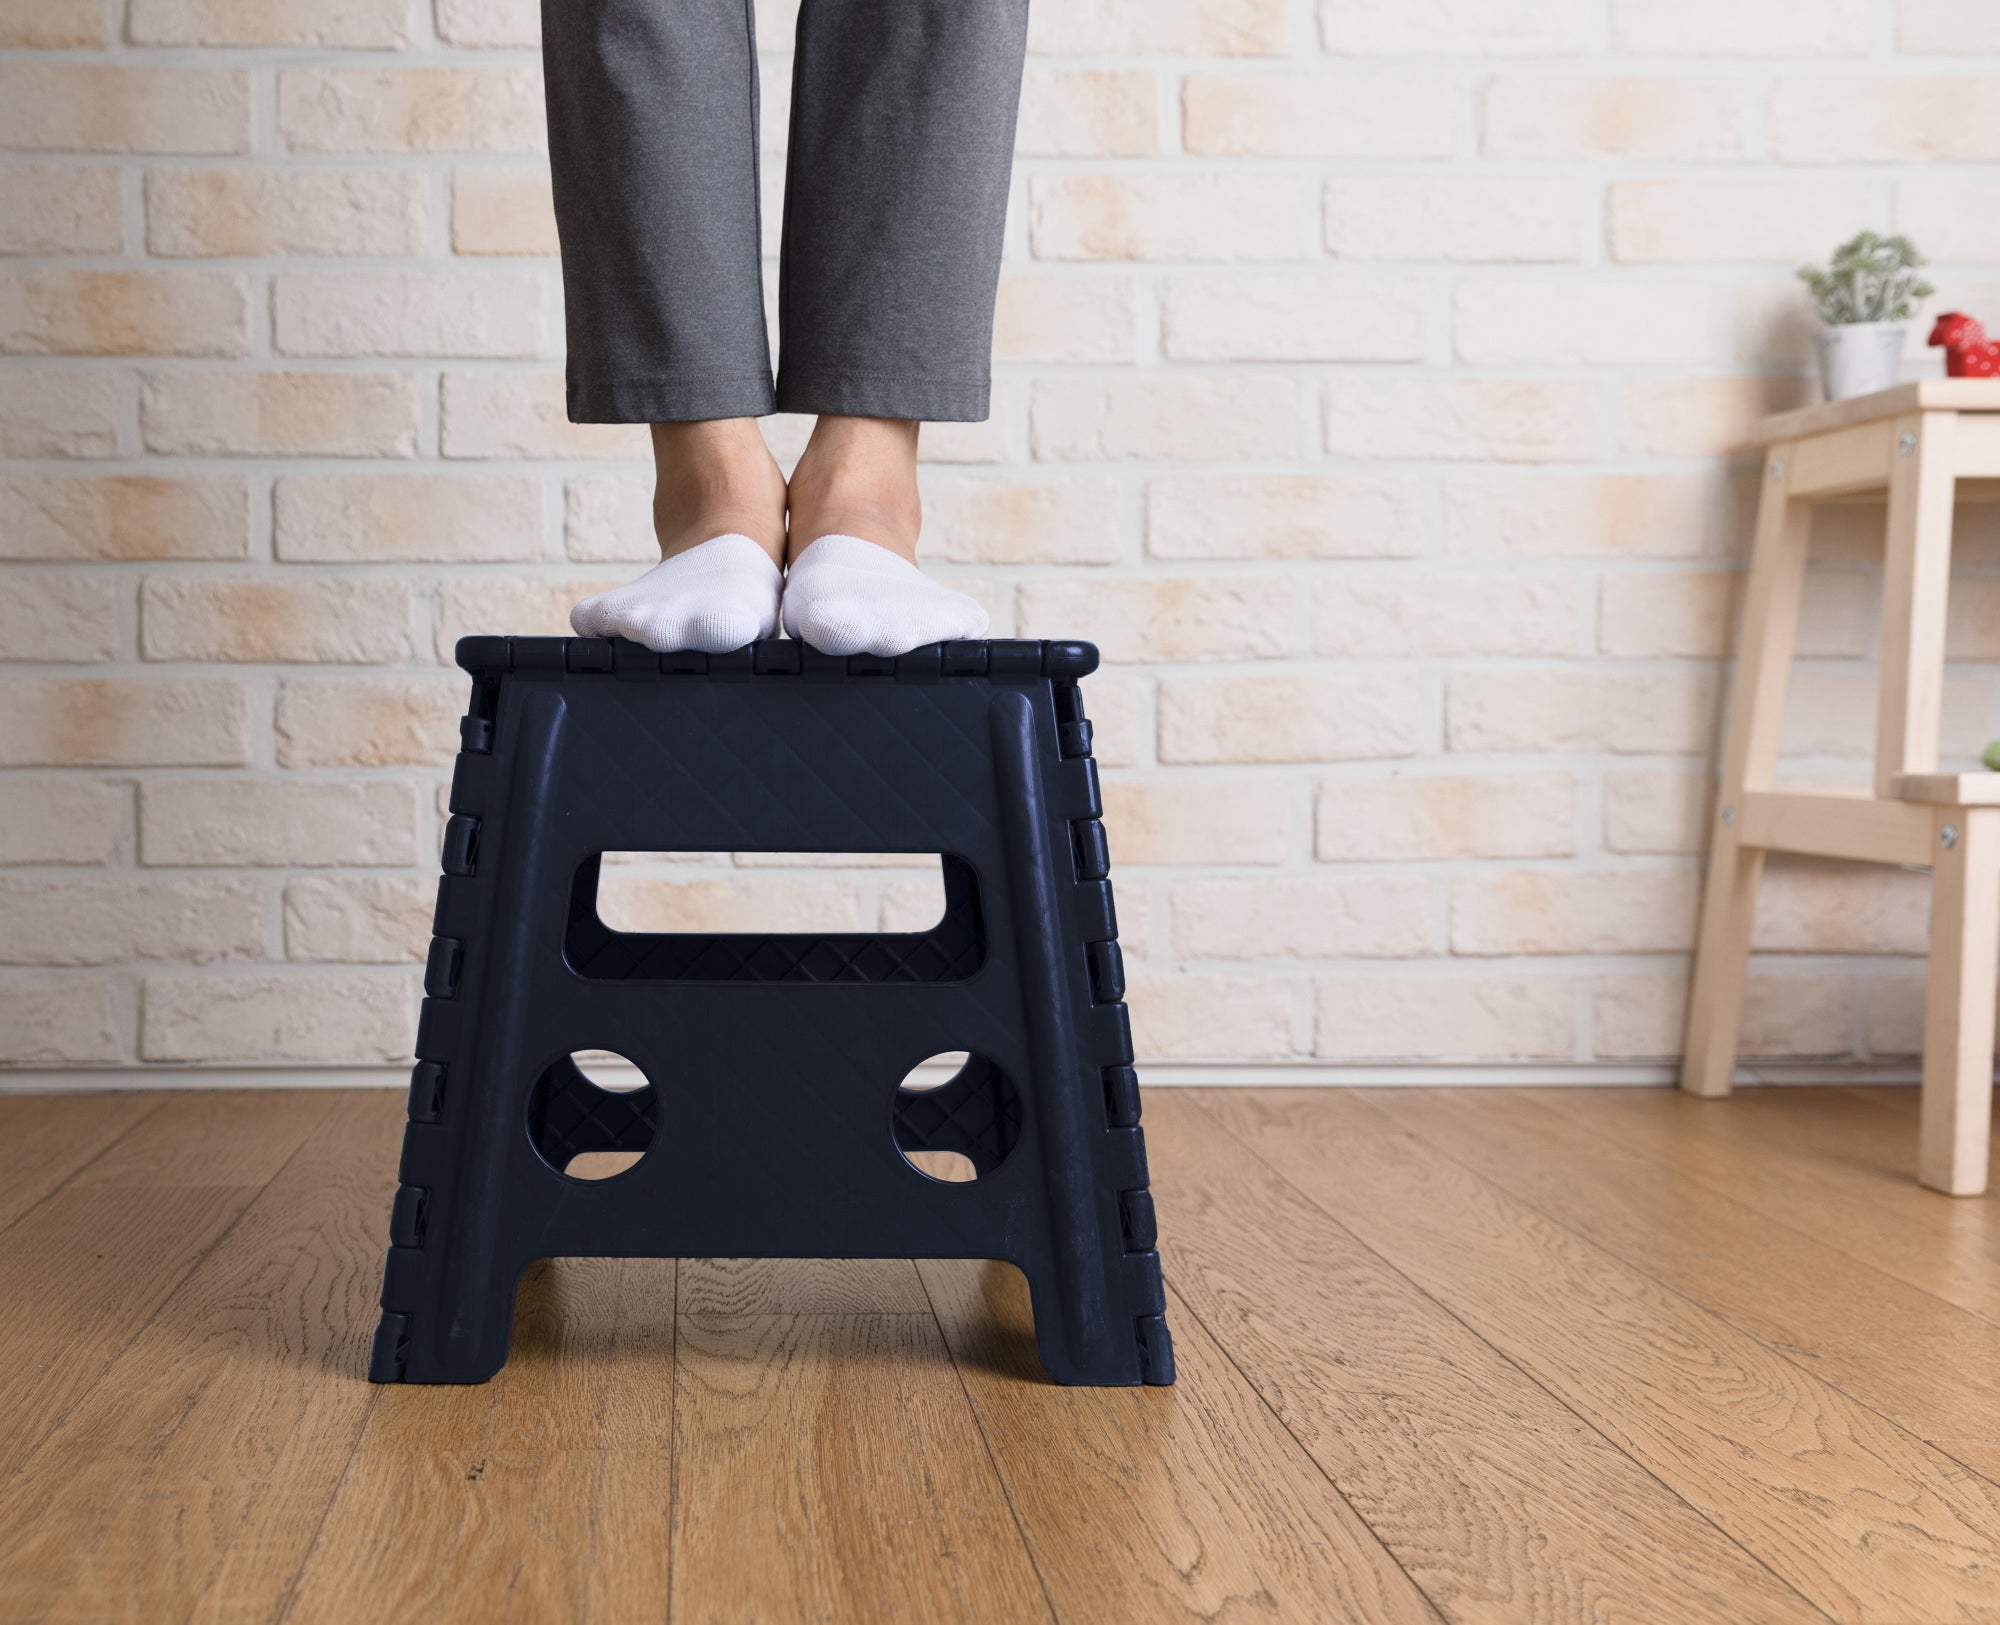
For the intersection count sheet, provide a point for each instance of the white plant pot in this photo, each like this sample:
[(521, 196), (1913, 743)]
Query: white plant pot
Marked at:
[(1859, 358)]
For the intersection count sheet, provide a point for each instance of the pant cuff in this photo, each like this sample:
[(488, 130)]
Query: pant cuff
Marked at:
[(876, 395), (594, 399)]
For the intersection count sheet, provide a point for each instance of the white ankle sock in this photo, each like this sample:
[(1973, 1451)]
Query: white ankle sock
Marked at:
[(846, 596), (717, 596)]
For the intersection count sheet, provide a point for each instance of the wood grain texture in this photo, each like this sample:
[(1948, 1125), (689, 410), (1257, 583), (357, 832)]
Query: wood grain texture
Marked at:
[(1603, 1356), (222, 1429), (1838, 1164), (1787, 1465), (1156, 1504), (828, 1468), (84, 1270), (45, 1139), (542, 1495), (239, 1138), (1923, 1363), (1500, 1502), (801, 1286)]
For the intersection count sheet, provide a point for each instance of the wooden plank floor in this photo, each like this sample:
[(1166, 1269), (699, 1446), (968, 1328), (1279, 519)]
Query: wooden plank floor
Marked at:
[(1480, 1355)]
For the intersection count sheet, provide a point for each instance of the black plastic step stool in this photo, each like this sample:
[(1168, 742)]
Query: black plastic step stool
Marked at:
[(773, 1121)]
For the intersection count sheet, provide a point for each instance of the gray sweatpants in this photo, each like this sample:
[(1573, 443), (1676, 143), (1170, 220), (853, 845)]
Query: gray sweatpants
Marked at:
[(902, 137)]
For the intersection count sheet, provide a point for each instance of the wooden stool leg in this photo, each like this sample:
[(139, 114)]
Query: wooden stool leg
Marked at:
[(1750, 754), (1721, 965), (1959, 1003), (1916, 578)]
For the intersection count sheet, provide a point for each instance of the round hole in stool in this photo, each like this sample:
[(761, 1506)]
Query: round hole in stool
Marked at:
[(956, 1116), (591, 1114)]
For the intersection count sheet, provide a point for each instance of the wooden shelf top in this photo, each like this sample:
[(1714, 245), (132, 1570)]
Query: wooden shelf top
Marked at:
[(1921, 395)]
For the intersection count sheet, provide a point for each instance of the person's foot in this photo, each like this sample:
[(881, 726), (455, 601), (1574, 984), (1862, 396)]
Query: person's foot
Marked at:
[(717, 595), (853, 586), (719, 515), (858, 477)]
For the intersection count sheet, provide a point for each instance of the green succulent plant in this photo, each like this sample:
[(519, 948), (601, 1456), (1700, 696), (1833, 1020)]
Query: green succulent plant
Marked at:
[(1870, 278)]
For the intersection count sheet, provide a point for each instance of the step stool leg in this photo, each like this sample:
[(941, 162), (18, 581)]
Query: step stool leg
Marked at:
[(1959, 1002), (1916, 579), (1749, 760), (1721, 965)]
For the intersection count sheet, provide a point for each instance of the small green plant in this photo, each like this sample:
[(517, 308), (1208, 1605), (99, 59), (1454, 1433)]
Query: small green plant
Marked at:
[(1869, 279)]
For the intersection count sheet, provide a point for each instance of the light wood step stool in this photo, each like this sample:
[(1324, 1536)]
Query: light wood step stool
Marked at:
[(1922, 443)]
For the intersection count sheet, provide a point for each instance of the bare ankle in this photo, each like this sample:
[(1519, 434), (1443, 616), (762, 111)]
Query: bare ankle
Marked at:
[(858, 477), (713, 478)]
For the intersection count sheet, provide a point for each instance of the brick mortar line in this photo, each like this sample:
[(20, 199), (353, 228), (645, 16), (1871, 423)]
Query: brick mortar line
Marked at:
[(1592, 774)]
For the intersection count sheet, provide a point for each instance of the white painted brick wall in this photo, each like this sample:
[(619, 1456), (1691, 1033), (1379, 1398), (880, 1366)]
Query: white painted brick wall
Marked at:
[(1370, 378)]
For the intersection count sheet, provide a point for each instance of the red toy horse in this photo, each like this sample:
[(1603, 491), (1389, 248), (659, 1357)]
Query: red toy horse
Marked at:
[(1968, 353)]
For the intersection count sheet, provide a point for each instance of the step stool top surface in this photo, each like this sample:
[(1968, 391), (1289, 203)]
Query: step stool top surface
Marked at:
[(1919, 395), (999, 660)]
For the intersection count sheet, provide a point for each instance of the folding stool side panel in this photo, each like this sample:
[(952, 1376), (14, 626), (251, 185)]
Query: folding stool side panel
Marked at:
[(1081, 1336)]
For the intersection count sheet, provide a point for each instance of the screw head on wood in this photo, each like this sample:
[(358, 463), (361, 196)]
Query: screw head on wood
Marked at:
[(1906, 443), (1948, 837)]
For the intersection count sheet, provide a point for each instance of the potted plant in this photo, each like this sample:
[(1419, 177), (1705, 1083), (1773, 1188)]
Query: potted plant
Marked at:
[(1864, 294)]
